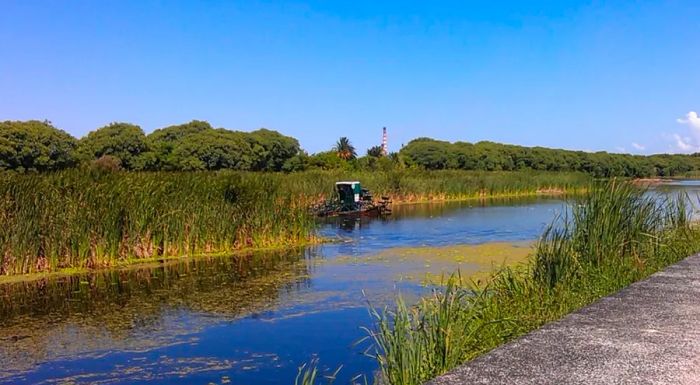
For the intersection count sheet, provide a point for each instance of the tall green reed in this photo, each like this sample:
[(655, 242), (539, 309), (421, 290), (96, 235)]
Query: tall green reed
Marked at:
[(91, 218), (88, 219), (614, 222), (420, 185)]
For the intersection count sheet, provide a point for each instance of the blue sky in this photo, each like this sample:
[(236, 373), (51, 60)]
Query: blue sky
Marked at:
[(615, 76)]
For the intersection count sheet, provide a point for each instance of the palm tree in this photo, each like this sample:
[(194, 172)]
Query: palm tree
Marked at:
[(344, 149)]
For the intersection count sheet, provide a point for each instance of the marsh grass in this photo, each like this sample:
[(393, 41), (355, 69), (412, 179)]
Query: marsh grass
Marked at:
[(424, 186), (615, 235), (89, 218), (78, 219)]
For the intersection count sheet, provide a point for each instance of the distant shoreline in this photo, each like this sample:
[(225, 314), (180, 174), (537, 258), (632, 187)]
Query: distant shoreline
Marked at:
[(651, 181)]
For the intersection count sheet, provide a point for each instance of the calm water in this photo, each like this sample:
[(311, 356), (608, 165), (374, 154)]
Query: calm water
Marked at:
[(239, 320)]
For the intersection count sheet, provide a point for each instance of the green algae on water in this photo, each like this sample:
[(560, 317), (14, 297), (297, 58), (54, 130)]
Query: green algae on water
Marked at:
[(428, 265)]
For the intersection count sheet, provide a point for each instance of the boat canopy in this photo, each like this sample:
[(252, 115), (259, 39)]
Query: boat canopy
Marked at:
[(349, 193)]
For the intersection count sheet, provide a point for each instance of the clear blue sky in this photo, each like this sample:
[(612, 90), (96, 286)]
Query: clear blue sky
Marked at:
[(571, 74)]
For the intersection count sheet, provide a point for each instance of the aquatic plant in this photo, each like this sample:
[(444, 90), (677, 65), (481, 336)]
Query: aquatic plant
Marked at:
[(307, 374), (615, 235), (91, 219), (614, 221), (422, 186), (94, 217)]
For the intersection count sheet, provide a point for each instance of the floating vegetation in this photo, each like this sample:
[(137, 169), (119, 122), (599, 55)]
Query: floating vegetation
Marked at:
[(162, 369), (432, 265), (138, 309)]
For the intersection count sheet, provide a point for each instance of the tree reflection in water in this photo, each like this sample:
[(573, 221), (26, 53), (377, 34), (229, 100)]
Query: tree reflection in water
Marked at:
[(139, 308)]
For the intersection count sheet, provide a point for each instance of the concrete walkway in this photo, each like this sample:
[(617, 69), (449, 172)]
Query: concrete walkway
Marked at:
[(648, 333)]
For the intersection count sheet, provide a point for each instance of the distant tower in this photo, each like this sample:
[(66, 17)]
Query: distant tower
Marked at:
[(385, 145)]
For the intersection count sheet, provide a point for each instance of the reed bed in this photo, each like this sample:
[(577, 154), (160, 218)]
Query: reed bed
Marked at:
[(406, 186), (612, 237), (90, 218)]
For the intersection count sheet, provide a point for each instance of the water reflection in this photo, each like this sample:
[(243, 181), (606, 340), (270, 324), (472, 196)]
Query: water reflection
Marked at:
[(419, 211), (468, 222), (245, 319), (688, 189), (136, 309)]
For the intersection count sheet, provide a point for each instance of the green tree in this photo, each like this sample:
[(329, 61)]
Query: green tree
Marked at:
[(344, 149), (375, 151), (327, 160), (429, 154), (272, 149), (299, 162), (163, 141), (123, 141), (214, 150), (433, 154), (35, 146)]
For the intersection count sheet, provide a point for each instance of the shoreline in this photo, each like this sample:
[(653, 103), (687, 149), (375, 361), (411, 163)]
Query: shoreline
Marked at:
[(652, 181), (314, 240), (622, 319), (150, 262), (164, 260), (546, 193)]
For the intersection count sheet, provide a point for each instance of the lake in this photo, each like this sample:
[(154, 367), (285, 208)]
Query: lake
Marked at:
[(253, 319)]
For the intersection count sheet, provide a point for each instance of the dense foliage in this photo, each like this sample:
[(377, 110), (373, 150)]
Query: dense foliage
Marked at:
[(122, 141), (164, 141), (435, 155), (38, 146), (35, 146), (197, 146)]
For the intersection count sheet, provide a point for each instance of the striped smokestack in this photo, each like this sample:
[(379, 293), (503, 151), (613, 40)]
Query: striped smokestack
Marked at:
[(385, 145)]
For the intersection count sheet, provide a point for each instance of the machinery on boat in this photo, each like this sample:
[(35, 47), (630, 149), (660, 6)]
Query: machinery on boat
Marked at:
[(353, 200)]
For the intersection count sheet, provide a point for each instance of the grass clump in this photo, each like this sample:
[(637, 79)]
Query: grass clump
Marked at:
[(615, 235)]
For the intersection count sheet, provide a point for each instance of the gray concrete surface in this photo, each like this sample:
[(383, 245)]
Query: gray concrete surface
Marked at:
[(648, 333)]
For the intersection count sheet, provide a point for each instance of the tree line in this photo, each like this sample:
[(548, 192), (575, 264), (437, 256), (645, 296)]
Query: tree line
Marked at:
[(435, 154), (39, 146)]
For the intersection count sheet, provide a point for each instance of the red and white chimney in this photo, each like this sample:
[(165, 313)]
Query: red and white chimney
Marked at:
[(385, 145)]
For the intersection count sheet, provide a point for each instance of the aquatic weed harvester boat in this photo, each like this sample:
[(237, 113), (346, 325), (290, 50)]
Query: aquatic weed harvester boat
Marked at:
[(353, 200)]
